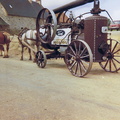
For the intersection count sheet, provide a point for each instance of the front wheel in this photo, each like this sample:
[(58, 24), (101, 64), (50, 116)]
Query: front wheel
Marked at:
[(41, 59), (79, 58)]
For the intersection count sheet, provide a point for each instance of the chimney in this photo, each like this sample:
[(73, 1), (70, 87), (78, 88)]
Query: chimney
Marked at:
[(30, 1), (38, 1)]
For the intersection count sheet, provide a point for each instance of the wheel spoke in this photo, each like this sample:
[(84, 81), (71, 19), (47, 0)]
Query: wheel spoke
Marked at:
[(110, 65), (84, 68), (85, 56), (114, 64), (80, 68), (40, 64), (114, 47), (72, 50), (79, 48), (116, 60), (116, 51), (85, 62), (46, 20), (43, 17), (83, 51), (70, 60), (75, 48), (40, 56), (78, 57), (116, 55), (71, 54), (106, 64), (73, 64), (76, 69), (41, 59)]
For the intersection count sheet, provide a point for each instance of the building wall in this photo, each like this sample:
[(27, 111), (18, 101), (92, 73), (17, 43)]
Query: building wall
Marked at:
[(16, 22)]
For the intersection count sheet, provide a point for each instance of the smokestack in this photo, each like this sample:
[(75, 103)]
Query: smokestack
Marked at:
[(30, 1), (38, 1)]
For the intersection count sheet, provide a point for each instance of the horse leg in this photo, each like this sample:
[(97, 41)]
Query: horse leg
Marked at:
[(34, 56), (1, 50), (7, 49), (1, 53), (22, 50), (33, 53), (5, 46), (38, 47), (30, 57)]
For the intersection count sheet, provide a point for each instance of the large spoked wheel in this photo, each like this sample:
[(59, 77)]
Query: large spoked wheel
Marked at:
[(79, 58), (46, 25), (41, 59), (61, 17), (112, 57)]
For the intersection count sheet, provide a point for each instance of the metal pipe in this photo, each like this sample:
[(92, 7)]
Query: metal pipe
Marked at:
[(72, 5)]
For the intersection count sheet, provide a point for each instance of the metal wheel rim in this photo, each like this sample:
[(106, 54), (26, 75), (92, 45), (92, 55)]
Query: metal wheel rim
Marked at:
[(52, 26), (76, 56), (41, 59), (112, 64)]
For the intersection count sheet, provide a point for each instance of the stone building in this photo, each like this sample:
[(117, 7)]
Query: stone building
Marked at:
[(17, 14)]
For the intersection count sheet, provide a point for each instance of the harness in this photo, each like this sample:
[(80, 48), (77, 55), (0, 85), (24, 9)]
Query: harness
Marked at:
[(24, 31), (25, 42)]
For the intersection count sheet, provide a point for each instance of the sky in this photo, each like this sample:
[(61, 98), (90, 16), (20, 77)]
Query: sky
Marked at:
[(112, 6)]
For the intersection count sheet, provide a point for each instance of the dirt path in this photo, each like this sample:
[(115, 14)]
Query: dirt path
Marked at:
[(30, 93)]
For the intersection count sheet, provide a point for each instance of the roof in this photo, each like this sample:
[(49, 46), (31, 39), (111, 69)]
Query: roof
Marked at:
[(2, 22), (21, 8)]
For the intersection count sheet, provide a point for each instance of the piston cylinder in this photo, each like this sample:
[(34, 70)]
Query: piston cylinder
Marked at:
[(93, 35)]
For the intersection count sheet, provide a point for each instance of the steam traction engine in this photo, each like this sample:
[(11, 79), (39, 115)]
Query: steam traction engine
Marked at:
[(79, 41)]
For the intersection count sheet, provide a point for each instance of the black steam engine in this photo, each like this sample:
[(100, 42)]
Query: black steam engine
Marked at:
[(79, 41)]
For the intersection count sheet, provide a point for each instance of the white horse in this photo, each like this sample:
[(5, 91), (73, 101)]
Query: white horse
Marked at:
[(27, 38)]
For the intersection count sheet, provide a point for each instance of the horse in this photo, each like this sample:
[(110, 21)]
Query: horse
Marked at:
[(27, 38), (4, 44)]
